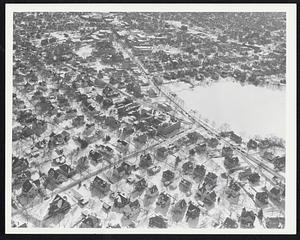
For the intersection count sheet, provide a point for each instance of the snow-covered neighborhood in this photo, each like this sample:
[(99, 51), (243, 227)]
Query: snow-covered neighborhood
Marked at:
[(109, 132)]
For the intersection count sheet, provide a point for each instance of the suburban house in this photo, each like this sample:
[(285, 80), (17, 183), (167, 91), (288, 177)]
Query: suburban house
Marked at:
[(19, 164), (162, 152), (89, 128), (199, 172), (254, 178), (163, 200), (185, 185), (227, 152), (121, 201), (237, 139), (275, 194), (275, 222), (59, 205), (95, 156), (245, 174), (252, 144), (146, 160), (166, 128), (82, 164), (122, 170), (90, 221), (262, 198), (78, 121), (230, 223), (122, 145), (247, 219), (21, 177), (180, 207), (188, 168), (30, 188), (213, 142), (59, 139), (210, 180), (201, 148), (66, 170), (231, 162), (101, 185), (233, 191), (279, 163), (205, 195), (55, 177), (167, 177), (135, 209), (151, 192), (140, 185), (193, 212), (39, 127), (194, 137), (158, 222)]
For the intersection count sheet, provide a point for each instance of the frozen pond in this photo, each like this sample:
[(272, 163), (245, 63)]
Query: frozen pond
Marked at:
[(248, 110)]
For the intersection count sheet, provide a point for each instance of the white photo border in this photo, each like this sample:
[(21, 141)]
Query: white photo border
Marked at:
[(291, 164)]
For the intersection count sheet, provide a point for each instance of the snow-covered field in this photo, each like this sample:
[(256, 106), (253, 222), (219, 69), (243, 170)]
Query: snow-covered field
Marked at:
[(85, 51)]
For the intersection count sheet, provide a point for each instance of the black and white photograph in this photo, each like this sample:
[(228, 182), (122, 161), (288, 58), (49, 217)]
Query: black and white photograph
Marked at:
[(148, 118)]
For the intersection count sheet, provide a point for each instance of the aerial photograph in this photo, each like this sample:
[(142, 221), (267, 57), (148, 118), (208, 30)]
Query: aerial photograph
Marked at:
[(145, 120)]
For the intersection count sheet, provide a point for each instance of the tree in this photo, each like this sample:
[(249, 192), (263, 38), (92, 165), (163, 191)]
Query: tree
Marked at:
[(177, 160), (260, 214)]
